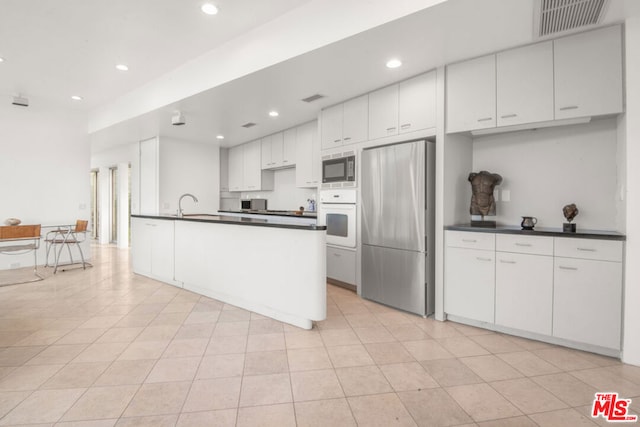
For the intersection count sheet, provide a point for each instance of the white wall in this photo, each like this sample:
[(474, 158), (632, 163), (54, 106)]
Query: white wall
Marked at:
[(188, 167), (631, 343), (44, 169), (285, 195), (549, 168)]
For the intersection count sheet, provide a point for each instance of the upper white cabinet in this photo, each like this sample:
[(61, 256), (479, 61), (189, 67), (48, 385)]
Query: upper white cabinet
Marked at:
[(383, 112), (575, 76), (417, 103), (525, 84), (307, 155), (245, 168), (289, 147), (588, 73), (273, 152), (404, 107), (345, 123), (471, 94), (236, 168)]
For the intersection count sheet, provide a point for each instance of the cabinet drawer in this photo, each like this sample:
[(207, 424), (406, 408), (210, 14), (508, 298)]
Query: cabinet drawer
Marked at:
[(341, 265), (604, 250), (536, 245), (471, 240)]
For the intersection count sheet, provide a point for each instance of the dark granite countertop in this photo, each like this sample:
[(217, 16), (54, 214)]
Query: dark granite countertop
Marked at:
[(304, 214), (236, 220), (542, 231)]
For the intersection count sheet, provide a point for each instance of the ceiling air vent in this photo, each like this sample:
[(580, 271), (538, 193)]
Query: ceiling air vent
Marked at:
[(248, 125), (313, 98), (557, 16)]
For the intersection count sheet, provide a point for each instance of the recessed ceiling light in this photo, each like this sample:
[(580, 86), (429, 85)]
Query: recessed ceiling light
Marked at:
[(394, 63), (1, 59), (220, 137), (274, 113), (122, 67), (76, 98), (209, 9)]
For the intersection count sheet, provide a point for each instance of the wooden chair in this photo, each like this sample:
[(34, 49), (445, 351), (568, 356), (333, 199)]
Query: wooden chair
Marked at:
[(20, 239), (66, 236)]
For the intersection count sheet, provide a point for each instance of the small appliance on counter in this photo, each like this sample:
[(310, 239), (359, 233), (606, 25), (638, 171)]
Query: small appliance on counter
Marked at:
[(253, 204)]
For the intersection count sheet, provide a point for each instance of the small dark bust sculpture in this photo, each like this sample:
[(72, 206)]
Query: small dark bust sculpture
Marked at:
[(570, 211), (482, 185)]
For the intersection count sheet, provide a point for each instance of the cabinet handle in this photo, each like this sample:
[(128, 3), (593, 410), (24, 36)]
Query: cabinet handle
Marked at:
[(483, 259), (391, 129), (336, 254), (469, 240), (504, 261), (526, 245), (285, 161), (562, 267), (337, 140), (347, 138), (587, 250), (508, 116), (485, 119), (405, 126), (569, 107)]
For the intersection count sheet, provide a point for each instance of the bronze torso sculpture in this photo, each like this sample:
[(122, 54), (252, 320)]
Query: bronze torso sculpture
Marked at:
[(482, 185)]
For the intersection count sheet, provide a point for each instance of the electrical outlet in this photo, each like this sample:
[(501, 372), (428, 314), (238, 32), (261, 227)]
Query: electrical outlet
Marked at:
[(166, 205), (506, 195), (82, 206)]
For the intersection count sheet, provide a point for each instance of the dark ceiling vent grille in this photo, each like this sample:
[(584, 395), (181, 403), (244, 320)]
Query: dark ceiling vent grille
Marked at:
[(557, 16), (313, 98), (248, 125)]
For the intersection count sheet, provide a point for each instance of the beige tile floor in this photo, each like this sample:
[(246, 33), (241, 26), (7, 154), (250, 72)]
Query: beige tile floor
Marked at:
[(104, 347)]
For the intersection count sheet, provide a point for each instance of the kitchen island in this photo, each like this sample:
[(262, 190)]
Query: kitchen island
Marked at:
[(268, 266)]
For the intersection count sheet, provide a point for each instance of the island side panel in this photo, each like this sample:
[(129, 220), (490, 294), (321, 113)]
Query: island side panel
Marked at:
[(277, 272)]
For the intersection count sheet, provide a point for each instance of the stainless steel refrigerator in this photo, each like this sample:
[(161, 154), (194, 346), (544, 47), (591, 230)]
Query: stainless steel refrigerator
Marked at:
[(398, 188)]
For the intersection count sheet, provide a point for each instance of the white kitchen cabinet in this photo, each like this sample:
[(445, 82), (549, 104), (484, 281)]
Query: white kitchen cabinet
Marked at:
[(236, 168), (417, 103), (224, 170), (245, 168), (307, 156), (251, 164), (341, 265), (524, 291), (272, 148), (470, 276), (149, 177), (289, 147), (331, 126), (345, 123), (471, 94), (588, 73), (524, 79), (587, 301), (383, 112), (152, 248)]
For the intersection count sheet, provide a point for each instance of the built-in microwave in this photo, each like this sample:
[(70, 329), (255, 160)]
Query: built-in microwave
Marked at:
[(339, 170)]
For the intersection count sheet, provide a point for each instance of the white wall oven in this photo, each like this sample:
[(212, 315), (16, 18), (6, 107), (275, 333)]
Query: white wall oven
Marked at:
[(338, 212), (339, 170)]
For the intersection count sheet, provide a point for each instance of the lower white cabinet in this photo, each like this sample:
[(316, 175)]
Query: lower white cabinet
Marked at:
[(152, 248), (587, 299), (524, 291), (341, 265), (568, 288), (470, 283)]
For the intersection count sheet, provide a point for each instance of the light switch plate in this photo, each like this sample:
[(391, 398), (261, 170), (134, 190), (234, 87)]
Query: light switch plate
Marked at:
[(506, 195)]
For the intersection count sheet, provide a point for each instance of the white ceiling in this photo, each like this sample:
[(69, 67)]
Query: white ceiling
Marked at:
[(78, 52)]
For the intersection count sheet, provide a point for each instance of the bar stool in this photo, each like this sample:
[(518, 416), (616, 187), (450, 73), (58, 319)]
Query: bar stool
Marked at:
[(66, 236)]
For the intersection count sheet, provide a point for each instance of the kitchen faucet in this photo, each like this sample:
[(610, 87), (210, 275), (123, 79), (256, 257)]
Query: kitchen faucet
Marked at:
[(195, 199)]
